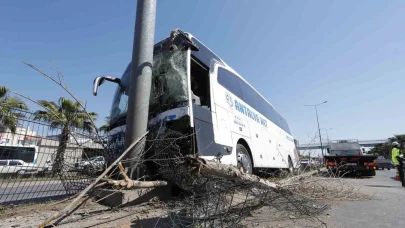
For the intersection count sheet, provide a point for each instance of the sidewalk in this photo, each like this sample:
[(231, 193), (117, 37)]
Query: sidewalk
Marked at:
[(23, 183)]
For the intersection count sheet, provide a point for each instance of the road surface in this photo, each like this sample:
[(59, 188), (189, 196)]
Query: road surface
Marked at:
[(380, 202), (12, 192), (386, 209)]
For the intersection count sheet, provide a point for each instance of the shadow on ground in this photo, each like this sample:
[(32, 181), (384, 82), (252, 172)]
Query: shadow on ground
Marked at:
[(382, 186), (152, 222), (346, 175)]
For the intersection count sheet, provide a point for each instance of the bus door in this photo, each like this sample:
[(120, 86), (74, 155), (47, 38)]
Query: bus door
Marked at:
[(204, 117)]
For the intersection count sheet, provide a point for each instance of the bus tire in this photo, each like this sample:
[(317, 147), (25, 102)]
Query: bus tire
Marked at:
[(244, 159)]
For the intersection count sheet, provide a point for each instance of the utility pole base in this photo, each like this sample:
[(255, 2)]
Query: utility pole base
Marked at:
[(117, 198)]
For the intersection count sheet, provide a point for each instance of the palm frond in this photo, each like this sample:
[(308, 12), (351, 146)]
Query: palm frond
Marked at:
[(49, 105), (3, 91), (8, 109), (14, 103), (66, 113), (10, 122), (86, 116), (104, 128), (93, 115), (68, 105), (88, 126)]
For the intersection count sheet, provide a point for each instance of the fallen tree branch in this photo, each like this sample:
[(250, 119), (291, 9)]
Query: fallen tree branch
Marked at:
[(131, 184), (123, 173), (66, 210), (213, 168)]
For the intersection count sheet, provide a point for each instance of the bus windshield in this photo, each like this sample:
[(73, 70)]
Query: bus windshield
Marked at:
[(120, 101), (169, 87)]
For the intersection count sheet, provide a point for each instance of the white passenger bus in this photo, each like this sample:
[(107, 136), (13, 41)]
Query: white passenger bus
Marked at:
[(228, 117)]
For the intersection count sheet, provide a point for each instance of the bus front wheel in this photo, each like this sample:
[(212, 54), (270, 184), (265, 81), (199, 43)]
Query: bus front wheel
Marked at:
[(244, 159)]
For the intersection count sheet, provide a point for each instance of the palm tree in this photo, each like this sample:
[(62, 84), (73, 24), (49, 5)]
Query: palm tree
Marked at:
[(106, 126), (400, 139), (8, 106), (385, 148), (65, 115)]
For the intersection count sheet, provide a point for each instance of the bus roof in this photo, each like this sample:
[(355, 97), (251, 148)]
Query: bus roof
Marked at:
[(231, 69)]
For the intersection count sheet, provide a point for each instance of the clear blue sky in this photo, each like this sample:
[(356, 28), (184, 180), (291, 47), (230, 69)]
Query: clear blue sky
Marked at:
[(350, 53)]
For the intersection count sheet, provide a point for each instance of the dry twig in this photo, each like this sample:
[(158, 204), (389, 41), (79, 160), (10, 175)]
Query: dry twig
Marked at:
[(89, 187), (68, 91)]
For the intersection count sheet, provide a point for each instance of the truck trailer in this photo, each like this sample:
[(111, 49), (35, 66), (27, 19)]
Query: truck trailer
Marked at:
[(346, 156)]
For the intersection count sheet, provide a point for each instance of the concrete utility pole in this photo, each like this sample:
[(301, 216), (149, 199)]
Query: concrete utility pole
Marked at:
[(317, 119), (140, 82)]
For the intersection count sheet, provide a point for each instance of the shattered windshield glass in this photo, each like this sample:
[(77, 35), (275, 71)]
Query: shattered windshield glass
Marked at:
[(169, 82), (169, 86)]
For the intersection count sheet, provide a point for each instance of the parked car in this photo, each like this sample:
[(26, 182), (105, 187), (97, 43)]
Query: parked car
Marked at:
[(96, 163), (307, 163), (384, 163), (18, 167)]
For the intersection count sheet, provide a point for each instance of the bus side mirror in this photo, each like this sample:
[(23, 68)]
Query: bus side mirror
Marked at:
[(101, 79), (327, 150)]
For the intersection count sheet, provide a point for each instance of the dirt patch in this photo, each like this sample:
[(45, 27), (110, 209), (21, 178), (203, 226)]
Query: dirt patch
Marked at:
[(307, 207)]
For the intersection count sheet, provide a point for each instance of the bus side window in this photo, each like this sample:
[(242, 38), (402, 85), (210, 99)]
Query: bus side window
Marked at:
[(200, 84)]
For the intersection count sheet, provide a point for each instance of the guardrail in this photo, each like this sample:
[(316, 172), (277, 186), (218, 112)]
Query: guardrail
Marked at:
[(365, 143)]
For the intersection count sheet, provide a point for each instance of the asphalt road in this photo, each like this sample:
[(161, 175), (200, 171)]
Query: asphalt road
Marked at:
[(386, 209), (40, 190)]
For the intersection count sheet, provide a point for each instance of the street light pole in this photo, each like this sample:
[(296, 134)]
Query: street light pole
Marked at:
[(327, 133), (140, 80), (317, 119), (319, 130)]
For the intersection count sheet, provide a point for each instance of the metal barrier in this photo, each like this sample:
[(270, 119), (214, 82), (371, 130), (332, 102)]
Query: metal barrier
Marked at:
[(39, 163)]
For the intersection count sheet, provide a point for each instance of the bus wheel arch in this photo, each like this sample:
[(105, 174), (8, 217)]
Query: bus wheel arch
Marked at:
[(241, 145)]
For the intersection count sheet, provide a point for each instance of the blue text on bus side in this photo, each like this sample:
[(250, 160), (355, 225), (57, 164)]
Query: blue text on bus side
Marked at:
[(249, 113)]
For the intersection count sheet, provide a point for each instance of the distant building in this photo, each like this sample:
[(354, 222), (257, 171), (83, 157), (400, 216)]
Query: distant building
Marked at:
[(74, 137), (22, 136)]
